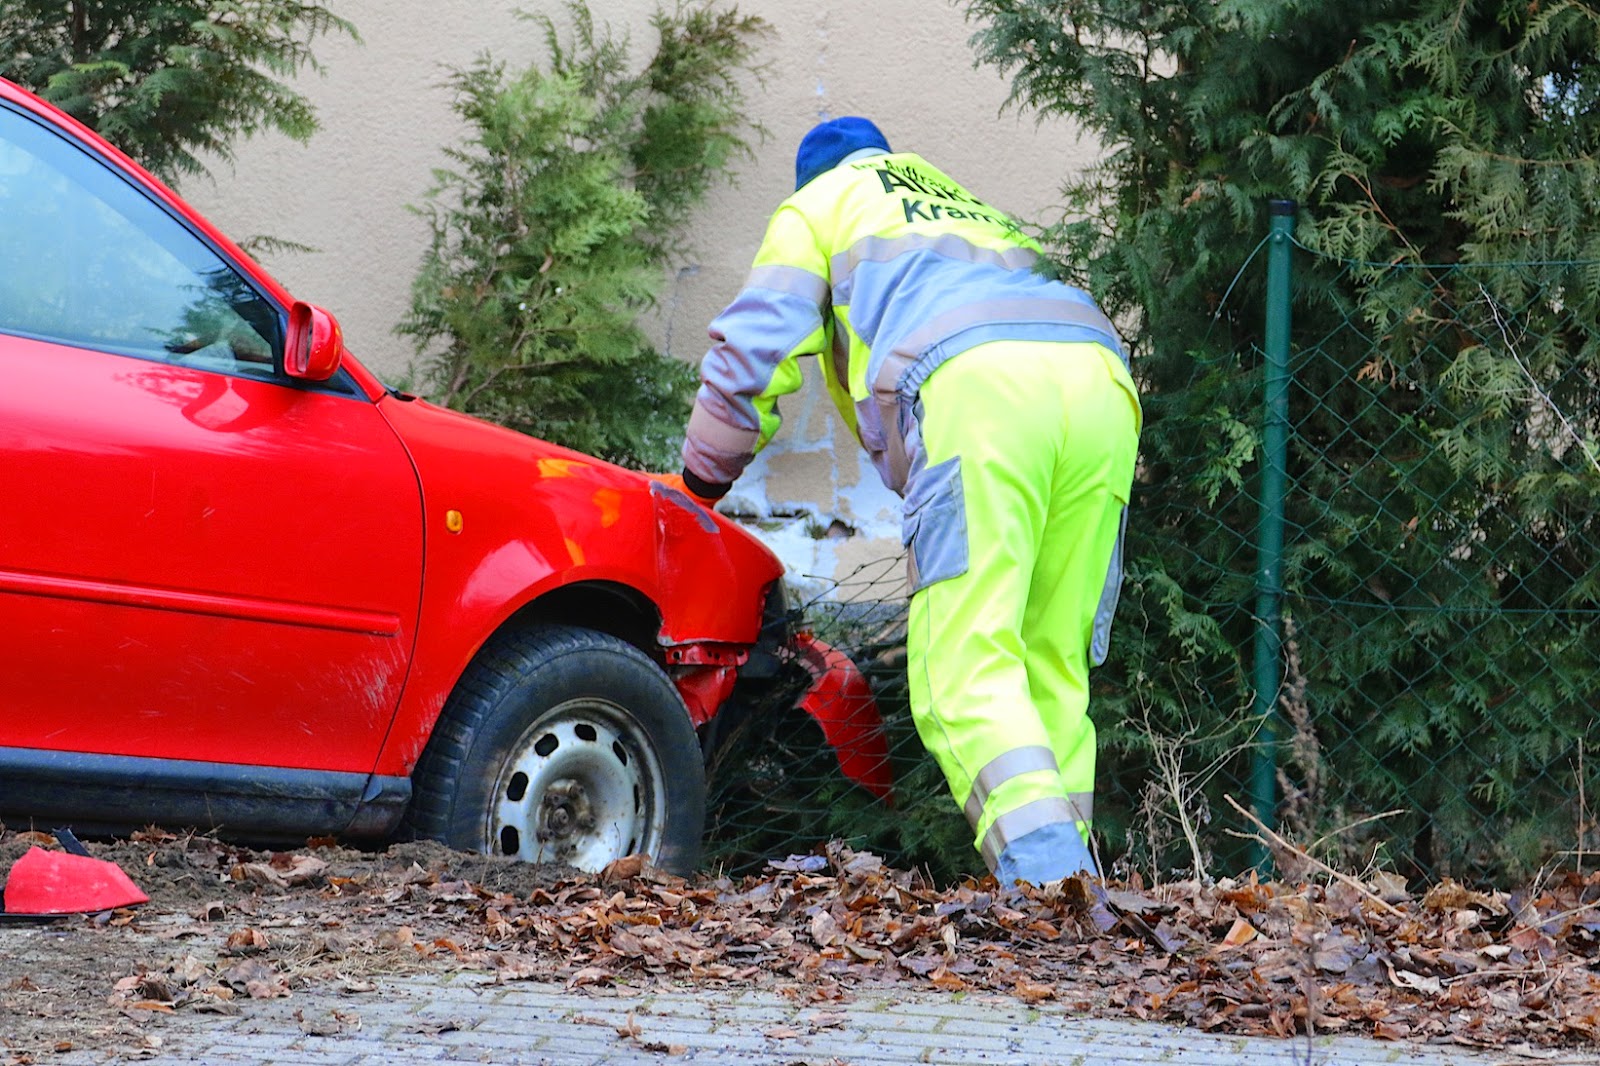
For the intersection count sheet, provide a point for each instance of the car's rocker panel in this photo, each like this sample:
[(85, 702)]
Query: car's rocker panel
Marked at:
[(118, 792)]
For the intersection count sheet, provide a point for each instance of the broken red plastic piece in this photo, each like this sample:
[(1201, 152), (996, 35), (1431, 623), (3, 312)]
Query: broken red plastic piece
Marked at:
[(53, 882), (841, 702), (704, 689)]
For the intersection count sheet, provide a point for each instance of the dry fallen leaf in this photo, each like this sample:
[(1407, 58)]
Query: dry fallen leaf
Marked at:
[(825, 931), (1332, 955), (335, 1024), (1030, 992), (298, 869), (156, 987), (1450, 896), (245, 942), (1239, 934), (624, 869), (255, 978), (190, 970), (270, 989), (1406, 979), (1389, 887), (397, 939), (664, 1049), (590, 975)]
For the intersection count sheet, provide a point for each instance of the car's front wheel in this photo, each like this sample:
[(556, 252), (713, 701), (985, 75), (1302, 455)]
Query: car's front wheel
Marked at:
[(564, 745)]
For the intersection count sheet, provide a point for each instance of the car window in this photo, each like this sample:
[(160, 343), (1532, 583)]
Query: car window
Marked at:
[(88, 259)]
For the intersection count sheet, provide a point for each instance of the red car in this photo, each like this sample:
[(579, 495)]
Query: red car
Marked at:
[(244, 585)]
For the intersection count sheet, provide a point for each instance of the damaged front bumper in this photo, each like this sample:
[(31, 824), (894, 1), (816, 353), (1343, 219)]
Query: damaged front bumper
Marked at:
[(840, 701)]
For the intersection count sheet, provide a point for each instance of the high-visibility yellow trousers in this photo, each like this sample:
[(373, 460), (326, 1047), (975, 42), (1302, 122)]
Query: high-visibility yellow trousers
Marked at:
[(1015, 507)]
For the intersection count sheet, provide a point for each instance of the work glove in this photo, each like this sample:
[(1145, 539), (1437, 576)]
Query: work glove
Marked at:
[(676, 481)]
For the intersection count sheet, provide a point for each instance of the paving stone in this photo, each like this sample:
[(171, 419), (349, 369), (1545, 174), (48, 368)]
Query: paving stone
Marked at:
[(297, 1056), (526, 1023)]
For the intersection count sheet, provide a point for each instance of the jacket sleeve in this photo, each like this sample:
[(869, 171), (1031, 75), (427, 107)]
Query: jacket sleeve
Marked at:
[(780, 315)]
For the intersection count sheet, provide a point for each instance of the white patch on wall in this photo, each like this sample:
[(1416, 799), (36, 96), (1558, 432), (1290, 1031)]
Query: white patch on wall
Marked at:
[(822, 545)]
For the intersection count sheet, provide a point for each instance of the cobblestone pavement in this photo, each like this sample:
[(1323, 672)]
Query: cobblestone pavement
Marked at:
[(463, 1018)]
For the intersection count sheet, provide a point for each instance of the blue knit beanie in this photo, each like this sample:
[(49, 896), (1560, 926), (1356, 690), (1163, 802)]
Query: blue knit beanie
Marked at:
[(829, 142)]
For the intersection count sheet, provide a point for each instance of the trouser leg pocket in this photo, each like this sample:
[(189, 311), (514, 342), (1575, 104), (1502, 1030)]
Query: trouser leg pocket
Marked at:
[(934, 529)]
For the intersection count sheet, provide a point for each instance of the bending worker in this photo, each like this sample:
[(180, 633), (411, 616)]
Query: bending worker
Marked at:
[(999, 405)]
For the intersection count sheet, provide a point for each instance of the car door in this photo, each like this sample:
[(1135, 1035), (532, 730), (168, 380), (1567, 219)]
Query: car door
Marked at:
[(201, 560)]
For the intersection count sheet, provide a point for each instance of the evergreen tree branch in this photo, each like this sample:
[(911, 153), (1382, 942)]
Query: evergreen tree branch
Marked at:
[(557, 225)]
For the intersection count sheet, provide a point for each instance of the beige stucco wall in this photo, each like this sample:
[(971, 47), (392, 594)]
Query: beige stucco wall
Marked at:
[(386, 118)]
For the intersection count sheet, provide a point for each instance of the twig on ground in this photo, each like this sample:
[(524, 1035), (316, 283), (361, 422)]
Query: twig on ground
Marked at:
[(1358, 823), (1276, 840)]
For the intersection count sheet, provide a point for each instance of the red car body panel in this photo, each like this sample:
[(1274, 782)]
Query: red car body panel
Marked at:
[(533, 518), (187, 536)]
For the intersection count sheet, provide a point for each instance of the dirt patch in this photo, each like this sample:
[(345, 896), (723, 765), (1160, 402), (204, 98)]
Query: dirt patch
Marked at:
[(182, 872), (228, 927)]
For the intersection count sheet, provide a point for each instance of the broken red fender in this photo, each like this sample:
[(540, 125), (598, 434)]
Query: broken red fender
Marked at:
[(841, 702)]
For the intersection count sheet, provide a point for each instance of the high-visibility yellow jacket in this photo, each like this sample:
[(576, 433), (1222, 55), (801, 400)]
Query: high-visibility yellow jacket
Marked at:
[(885, 268)]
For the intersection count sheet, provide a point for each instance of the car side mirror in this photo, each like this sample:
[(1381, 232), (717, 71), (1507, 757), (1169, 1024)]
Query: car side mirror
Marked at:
[(315, 343)]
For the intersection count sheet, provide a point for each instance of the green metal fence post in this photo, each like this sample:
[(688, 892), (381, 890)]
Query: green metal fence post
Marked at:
[(1269, 533)]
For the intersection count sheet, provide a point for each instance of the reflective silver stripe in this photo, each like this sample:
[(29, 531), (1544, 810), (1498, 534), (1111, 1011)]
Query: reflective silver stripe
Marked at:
[(1004, 767), (1077, 808), (841, 353), (895, 465), (899, 372), (791, 280), (948, 245), (886, 385), (984, 312), (1022, 821), (715, 450), (707, 428), (1105, 611)]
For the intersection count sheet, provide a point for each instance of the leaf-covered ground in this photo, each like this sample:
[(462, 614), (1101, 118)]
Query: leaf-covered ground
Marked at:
[(227, 925)]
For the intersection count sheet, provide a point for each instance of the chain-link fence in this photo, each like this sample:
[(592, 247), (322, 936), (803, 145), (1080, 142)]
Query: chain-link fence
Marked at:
[(1363, 587)]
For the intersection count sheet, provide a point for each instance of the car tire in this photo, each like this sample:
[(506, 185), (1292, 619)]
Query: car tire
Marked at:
[(563, 745)]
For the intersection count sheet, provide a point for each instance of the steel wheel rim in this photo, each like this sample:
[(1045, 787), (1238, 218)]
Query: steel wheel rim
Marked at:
[(582, 785)]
